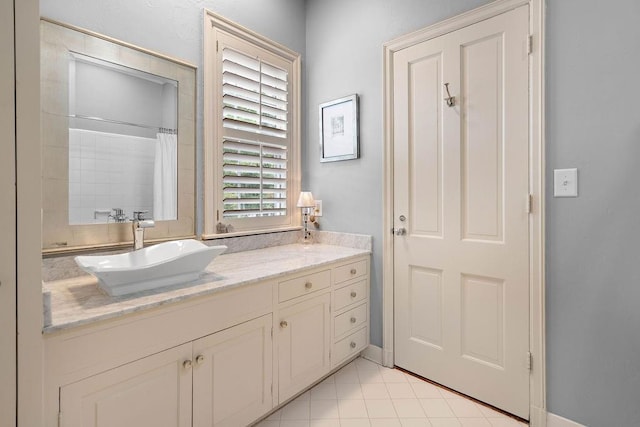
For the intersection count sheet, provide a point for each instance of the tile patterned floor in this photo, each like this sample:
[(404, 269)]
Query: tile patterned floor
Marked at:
[(366, 394)]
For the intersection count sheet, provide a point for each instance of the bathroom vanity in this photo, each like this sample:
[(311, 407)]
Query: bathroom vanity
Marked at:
[(257, 329)]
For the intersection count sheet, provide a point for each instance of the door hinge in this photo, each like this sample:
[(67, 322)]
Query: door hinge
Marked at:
[(529, 360), (216, 45), (217, 215), (271, 389), (529, 203), (529, 44), (272, 332)]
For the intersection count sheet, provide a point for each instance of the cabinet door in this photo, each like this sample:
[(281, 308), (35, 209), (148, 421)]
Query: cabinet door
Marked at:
[(303, 345), (232, 375), (154, 391)]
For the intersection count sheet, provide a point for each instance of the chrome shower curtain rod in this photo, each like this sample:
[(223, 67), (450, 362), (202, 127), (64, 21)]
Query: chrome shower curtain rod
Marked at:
[(119, 122)]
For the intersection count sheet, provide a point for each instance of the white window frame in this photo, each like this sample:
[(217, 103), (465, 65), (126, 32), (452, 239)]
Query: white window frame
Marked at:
[(217, 28)]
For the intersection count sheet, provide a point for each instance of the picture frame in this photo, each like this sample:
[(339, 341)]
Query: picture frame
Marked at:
[(339, 132)]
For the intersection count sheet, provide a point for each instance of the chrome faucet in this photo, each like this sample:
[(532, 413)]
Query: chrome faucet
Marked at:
[(138, 225), (118, 215)]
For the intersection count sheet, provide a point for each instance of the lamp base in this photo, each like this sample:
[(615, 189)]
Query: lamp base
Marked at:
[(307, 237)]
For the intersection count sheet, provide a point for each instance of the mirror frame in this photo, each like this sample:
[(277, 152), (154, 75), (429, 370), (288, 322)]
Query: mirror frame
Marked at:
[(56, 40)]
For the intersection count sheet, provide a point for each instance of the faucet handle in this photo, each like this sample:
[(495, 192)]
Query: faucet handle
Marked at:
[(139, 215)]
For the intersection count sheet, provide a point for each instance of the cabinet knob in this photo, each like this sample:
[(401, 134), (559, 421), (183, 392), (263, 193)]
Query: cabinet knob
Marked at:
[(353, 344), (353, 294), (199, 359), (284, 324), (353, 320), (354, 271), (308, 285), (186, 364)]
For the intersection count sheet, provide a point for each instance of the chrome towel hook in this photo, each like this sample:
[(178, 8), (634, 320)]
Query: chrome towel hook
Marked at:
[(451, 100)]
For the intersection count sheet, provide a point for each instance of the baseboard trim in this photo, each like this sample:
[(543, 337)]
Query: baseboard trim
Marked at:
[(373, 353), (554, 420), (387, 358), (537, 417)]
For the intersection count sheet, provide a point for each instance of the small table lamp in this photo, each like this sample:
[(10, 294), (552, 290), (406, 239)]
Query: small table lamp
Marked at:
[(306, 202)]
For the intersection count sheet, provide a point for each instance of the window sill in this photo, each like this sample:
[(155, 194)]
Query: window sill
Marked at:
[(248, 233)]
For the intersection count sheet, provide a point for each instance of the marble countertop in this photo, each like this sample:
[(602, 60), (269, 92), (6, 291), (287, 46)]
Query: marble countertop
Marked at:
[(78, 301)]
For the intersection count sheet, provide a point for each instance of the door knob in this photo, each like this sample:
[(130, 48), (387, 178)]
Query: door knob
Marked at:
[(199, 359), (400, 231), (186, 364), (284, 324)]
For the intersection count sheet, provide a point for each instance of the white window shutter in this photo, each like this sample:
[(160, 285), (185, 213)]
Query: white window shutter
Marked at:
[(255, 140)]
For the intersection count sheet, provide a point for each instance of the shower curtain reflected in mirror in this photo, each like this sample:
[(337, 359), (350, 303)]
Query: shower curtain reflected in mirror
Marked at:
[(165, 182)]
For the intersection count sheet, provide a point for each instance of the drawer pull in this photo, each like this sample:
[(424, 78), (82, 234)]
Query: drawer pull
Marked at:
[(186, 364), (199, 359), (353, 320), (354, 271), (308, 285), (353, 344), (284, 324), (353, 294)]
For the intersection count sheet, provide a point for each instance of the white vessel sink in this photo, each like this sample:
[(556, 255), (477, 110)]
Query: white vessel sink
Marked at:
[(165, 264)]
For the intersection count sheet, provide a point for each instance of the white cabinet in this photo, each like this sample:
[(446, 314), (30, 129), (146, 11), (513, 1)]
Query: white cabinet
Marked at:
[(223, 379), (304, 343), (154, 391), (222, 360), (232, 375)]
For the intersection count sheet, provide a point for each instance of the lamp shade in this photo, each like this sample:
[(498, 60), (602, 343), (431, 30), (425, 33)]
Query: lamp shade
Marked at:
[(306, 200)]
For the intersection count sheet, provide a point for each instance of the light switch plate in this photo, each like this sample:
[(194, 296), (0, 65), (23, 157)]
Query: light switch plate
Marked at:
[(565, 182), (318, 210)]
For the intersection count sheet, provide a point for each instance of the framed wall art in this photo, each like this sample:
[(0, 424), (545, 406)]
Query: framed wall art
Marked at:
[(339, 135)]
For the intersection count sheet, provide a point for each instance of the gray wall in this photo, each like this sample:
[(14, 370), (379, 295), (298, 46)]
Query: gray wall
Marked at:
[(174, 28), (593, 283), (593, 280), (344, 56)]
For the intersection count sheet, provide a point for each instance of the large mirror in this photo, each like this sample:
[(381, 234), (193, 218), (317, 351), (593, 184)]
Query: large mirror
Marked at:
[(118, 126)]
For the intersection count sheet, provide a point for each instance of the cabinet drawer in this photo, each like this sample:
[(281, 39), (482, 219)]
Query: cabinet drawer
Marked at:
[(349, 346), (350, 320), (349, 271), (349, 294), (293, 288)]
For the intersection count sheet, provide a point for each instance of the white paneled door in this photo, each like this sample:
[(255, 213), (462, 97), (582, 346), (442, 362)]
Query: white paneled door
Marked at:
[(461, 251)]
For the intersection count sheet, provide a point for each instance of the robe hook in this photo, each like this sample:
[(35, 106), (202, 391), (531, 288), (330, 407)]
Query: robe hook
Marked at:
[(451, 100)]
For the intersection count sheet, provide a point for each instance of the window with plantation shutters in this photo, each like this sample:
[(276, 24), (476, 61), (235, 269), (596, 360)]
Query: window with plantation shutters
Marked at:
[(255, 102), (251, 132)]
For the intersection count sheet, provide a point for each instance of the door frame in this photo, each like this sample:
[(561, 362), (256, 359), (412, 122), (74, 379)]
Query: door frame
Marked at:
[(8, 350), (28, 160), (537, 387)]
